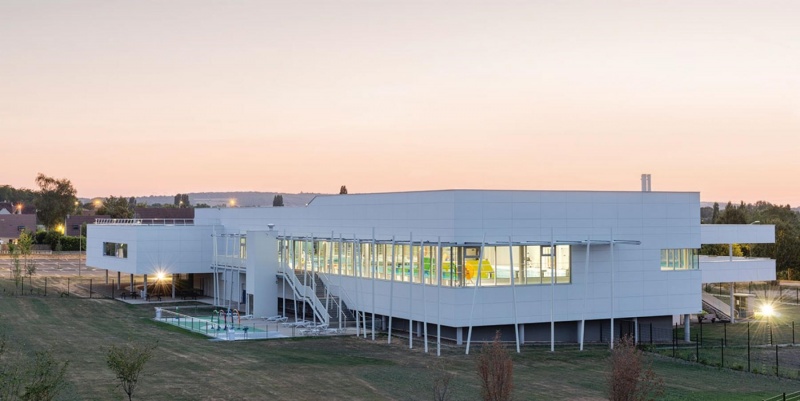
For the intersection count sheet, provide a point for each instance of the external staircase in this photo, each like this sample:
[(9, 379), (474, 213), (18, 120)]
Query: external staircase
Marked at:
[(311, 288), (714, 305)]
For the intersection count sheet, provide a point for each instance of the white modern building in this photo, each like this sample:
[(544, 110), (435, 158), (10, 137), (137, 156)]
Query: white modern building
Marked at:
[(540, 266)]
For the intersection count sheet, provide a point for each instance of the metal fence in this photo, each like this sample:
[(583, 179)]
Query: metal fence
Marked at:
[(762, 347), (58, 287)]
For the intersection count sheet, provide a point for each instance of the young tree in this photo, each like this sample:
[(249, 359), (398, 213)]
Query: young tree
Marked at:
[(277, 201), (343, 190), (16, 264), (127, 362), (44, 379), (25, 247), (496, 371), (631, 378), (441, 381), (55, 199)]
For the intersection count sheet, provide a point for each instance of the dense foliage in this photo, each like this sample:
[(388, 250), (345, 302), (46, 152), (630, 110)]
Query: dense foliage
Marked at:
[(117, 207), (15, 196)]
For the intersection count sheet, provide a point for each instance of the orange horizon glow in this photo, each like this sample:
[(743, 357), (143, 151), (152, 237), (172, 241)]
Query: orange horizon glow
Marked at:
[(138, 99)]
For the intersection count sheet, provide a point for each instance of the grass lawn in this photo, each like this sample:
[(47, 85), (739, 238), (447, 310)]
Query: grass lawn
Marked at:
[(190, 367)]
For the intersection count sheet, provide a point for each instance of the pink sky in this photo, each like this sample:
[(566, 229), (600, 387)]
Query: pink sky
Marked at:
[(139, 98)]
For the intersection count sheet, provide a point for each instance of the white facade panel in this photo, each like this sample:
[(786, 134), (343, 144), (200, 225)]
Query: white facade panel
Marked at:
[(151, 248), (737, 233), (723, 269)]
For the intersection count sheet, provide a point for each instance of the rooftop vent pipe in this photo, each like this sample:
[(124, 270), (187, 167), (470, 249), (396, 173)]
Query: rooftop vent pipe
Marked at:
[(646, 183)]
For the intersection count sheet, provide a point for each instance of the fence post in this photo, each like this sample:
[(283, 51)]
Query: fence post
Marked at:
[(776, 362), (697, 348), (112, 288), (90, 288), (701, 331), (673, 346), (45, 294), (651, 333), (67, 286), (770, 331), (792, 332), (725, 333), (722, 352), (748, 346)]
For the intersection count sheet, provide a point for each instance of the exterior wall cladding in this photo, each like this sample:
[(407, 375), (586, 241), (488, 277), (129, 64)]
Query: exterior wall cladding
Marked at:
[(625, 283)]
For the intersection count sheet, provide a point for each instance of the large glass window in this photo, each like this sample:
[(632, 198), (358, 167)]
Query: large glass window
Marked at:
[(448, 265), (116, 250), (680, 259)]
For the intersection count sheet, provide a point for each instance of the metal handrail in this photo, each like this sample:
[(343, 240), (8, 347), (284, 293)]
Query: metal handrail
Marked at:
[(785, 397), (150, 222), (296, 285)]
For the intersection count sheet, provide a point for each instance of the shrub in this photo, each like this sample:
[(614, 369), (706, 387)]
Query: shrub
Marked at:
[(496, 371), (630, 377)]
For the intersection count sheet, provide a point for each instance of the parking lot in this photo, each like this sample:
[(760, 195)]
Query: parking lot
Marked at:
[(54, 265)]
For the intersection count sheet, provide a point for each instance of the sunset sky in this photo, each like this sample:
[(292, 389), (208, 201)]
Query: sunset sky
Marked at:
[(137, 98)]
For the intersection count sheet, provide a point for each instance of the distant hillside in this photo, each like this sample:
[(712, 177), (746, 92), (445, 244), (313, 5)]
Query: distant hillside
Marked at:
[(243, 199)]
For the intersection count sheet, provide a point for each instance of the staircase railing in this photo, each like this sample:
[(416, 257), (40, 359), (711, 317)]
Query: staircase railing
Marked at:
[(720, 309), (342, 295), (306, 293)]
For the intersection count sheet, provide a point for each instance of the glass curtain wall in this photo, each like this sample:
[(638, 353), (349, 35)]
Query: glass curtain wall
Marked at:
[(431, 264)]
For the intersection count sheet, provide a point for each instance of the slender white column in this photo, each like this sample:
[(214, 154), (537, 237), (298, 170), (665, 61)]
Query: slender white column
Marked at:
[(733, 303), (513, 290), (552, 292), (312, 255), (292, 254), (612, 290), (284, 252), (585, 290), (356, 269), (373, 268), (410, 290), (475, 292), (424, 304), (391, 294), (438, 297)]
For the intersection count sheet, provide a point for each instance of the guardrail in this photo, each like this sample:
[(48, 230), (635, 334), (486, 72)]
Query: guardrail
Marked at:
[(302, 292), (785, 397), (147, 222)]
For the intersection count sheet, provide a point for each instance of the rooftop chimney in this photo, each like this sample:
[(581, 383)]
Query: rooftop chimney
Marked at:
[(646, 183)]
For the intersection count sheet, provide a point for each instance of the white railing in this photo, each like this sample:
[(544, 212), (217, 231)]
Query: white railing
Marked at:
[(342, 294), (302, 291), (150, 222)]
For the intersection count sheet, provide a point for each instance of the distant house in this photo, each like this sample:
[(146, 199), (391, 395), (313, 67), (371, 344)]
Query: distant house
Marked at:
[(11, 208), (74, 223), (11, 225)]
